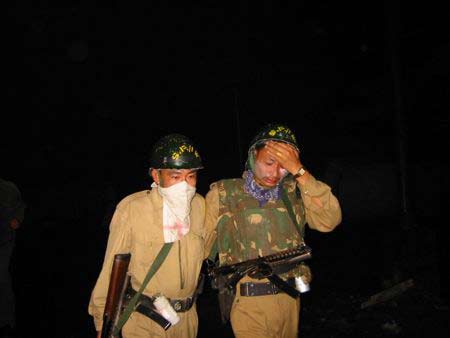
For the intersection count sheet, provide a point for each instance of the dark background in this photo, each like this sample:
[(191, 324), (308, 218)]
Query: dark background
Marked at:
[(90, 86)]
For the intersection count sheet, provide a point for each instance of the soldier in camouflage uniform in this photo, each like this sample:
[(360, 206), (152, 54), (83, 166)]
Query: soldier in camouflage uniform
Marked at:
[(171, 212), (247, 218)]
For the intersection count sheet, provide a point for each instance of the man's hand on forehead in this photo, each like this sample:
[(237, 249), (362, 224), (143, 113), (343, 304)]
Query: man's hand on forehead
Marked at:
[(281, 147), (285, 154)]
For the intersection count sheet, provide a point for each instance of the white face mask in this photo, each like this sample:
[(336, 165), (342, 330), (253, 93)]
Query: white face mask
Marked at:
[(176, 210)]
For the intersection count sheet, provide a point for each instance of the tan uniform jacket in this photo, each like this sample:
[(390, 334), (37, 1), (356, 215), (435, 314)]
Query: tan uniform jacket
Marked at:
[(323, 219), (136, 228)]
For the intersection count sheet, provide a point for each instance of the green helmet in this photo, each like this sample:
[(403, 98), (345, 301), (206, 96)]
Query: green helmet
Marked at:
[(273, 131), (276, 132), (175, 151)]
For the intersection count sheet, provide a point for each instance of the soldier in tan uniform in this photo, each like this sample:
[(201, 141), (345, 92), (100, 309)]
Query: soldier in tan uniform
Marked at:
[(263, 213), (170, 212)]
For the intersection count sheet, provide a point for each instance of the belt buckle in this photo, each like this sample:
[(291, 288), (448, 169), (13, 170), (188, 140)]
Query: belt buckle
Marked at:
[(177, 305), (250, 289), (275, 289), (245, 289)]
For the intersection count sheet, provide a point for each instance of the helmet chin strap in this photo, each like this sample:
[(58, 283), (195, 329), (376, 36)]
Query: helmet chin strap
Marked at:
[(250, 165)]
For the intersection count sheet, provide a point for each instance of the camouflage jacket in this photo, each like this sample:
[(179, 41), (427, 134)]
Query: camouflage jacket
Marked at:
[(230, 221)]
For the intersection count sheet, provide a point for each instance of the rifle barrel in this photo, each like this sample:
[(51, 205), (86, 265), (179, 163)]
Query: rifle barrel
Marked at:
[(294, 255)]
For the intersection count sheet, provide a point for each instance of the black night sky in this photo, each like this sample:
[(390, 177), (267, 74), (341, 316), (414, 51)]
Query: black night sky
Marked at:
[(90, 86)]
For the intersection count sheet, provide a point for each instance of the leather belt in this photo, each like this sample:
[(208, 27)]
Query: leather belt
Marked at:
[(179, 305), (146, 307), (250, 289)]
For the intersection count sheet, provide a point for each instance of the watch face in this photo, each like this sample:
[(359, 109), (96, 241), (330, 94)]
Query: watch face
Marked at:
[(300, 172)]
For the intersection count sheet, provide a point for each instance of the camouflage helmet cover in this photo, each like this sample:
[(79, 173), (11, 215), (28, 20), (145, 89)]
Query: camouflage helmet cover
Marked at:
[(175, 151)]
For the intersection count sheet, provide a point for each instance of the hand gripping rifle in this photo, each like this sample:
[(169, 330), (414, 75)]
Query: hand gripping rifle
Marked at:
[(117, 286)]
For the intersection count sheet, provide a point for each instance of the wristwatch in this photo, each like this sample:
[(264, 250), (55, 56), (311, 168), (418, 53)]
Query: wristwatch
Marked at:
[(300, 172)]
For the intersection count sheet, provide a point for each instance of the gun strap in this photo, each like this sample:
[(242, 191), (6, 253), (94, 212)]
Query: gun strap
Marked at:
[(284, 286), (132, 304), (236, 277), (153, 315), (287, 202)]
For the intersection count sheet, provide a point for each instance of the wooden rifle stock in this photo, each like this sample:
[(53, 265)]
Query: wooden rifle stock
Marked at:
[(117, 286)]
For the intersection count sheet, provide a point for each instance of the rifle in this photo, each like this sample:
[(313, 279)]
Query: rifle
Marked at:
[(117, 286), (261, 267), (224, 278)]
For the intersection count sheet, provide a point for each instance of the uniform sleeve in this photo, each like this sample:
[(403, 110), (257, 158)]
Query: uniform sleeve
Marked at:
[(118, 242), (323, 211), (211, 217)]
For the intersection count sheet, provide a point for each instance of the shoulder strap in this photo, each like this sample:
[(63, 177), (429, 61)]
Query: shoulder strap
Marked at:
[(288, 204), (132, 304)]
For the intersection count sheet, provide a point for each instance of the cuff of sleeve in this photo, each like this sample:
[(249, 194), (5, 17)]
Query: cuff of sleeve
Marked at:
[(313, 187), (98, 318), (98, 324)]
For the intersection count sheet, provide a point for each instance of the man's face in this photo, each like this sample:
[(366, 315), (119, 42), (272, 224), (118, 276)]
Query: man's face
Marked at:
[(169, 177), (268, 172)]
